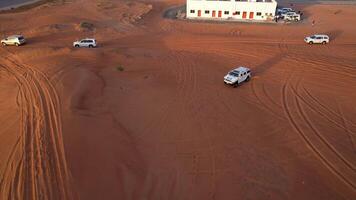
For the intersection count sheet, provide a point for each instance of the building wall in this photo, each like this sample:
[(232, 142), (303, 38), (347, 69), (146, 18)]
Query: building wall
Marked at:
[(248, 9)]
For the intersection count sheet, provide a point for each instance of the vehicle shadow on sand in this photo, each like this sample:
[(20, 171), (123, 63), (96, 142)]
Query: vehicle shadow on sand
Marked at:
[(268, 64), (334, 34)]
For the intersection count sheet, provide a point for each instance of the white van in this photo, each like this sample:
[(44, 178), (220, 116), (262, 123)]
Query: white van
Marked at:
[(13, 40), (317, 39), (237, 76)]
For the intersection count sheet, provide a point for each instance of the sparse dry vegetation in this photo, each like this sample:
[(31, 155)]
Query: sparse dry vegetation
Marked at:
[(86, 26), (105, 4), (120, 68)]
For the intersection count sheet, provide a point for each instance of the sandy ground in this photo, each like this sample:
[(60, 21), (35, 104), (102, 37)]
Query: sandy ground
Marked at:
[(74, 127)]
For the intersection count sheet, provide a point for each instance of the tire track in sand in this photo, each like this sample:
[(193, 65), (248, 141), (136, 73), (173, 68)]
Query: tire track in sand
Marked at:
[(36, 168), (326, 109), (186, 76), (352, 135), (301, 110), (331, 160)]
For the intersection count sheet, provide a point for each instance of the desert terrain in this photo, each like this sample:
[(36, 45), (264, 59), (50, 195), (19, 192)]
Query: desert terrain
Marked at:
[(146, 115)]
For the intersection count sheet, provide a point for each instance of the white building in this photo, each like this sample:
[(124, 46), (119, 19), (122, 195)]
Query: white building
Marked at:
[(231, 9)]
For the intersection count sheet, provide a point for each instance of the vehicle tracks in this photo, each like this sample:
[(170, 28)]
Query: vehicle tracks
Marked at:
[(262, 102), (331, 158), (36, 167), (317, 133)]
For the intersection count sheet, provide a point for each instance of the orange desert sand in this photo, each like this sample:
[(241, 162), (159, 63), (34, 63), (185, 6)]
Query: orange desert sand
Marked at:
[(73, 126)]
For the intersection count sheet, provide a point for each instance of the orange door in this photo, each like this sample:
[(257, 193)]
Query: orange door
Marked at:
[(213, 13), (251, 15), (220, 13), (244, 15), (199, 13)]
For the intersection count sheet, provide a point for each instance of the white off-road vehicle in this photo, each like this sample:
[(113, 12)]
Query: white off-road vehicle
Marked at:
[(14, 40), (317, 39), (87, 42), (237, 76), (291, 16), (284, 10)]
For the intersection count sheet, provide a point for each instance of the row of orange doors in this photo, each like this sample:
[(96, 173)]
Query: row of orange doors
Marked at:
[(244, 15), (213, 14)]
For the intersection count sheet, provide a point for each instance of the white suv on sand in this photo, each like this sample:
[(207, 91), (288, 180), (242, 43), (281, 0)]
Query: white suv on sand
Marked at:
[(14, 40), (237, 76), (87, 42), (317, 39)]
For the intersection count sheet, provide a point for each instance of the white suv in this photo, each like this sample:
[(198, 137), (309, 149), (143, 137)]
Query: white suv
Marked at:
[(237, 76), (87, 42), (317, 39), (284, 10), (13, 40), (291, 16)]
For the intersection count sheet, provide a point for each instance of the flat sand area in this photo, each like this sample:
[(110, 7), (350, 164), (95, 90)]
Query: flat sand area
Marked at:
[(146, 115)]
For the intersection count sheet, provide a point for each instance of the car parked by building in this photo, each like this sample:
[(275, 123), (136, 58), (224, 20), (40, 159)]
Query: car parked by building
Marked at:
[(87, 42), (317, 39), (237, 76), (281, 11), (16, 40), (291, 16)]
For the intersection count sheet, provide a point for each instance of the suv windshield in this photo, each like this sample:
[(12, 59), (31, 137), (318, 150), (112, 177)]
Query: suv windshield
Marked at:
[(313, 37), (21, 38), (233, 73)]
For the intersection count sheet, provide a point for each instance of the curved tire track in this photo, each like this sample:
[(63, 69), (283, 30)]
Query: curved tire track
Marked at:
[(318, 134), (41, 172), (326, 108), (342, 169)]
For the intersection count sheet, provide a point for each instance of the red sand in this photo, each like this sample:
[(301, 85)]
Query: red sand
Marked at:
[(74, 127)]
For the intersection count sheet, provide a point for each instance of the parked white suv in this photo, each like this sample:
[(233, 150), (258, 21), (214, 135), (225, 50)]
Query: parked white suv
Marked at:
[(87, 42), (291, 16), (317, 39), (237, 76), (13, 40), (281, 11)]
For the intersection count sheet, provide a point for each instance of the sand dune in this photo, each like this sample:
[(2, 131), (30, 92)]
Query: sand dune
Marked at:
[(73, 126)]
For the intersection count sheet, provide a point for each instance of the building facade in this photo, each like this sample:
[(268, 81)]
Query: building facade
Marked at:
[(231, 9)]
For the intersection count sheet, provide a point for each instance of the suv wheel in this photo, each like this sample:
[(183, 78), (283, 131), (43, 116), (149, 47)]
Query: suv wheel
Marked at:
[(247, 79), (77, 45), (311, 42), (236, 84), (324, 42), (4, 44), (17, 44), (91, 46)]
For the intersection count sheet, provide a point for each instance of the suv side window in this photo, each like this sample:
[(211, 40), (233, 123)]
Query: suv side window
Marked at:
[(319, 38)]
